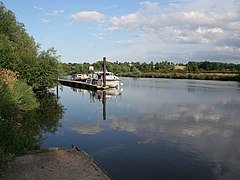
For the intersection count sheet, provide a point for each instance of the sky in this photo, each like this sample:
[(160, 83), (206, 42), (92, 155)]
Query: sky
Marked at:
[(134, 30)]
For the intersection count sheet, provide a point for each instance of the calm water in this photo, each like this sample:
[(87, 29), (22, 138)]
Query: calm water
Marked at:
[(156, 128)]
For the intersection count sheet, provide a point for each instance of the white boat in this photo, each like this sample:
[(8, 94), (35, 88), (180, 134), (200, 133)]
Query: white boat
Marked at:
[(112, 80), (79, 77)]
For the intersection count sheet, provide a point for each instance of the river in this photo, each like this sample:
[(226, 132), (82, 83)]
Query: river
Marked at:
[(155, 128)]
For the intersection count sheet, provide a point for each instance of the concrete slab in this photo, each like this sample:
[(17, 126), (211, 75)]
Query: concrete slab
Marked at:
[(55, 164)]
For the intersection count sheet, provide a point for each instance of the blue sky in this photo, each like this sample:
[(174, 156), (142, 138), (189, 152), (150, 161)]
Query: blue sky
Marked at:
[(134, 30)]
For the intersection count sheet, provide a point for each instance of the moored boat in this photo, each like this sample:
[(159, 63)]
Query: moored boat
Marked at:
[(112, 80), (79, 77)]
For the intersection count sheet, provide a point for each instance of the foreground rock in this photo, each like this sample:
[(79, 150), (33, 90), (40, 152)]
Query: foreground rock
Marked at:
[(55, 164)]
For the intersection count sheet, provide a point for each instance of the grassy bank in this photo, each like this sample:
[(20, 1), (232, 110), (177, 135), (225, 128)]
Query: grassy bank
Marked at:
[(176, 75)]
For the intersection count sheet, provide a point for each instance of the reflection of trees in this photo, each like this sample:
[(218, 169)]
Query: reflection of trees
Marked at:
[(45, 118), (50, 112), (24, 133)]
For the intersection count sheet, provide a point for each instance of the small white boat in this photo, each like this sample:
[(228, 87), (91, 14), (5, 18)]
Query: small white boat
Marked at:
[(79, 77), (112, 80)]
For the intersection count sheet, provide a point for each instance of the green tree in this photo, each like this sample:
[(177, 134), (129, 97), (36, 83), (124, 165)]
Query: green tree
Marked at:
[(192, 66), (47, 71), (135, 72), (15, 45), (19, 52)]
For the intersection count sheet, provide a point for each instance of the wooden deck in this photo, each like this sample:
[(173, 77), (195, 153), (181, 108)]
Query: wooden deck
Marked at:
[(79, 84)]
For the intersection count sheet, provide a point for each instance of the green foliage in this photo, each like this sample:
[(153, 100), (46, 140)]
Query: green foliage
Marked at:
[(75, 68), (19, 52), (5, 160), (23, 117), (5, 101), (192, 66), (15, 45), (135, 72), (8, 56), (207, 66), (22, 96), (18, 99), (47, 70), (14, 94)]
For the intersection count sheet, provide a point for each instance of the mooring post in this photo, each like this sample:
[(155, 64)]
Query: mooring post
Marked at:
[(104, 105), (104, 71)]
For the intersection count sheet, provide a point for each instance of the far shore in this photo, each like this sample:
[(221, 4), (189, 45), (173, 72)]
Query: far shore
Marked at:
[(176, 75)]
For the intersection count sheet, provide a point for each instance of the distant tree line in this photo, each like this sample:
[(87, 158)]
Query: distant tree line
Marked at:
[(207, 66), (137, 68)]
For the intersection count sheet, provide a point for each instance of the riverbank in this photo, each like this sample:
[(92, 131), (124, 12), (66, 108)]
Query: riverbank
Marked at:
[(55, 163), (176, 75)]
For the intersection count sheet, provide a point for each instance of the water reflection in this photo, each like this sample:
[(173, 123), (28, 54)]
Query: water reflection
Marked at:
[(101, 96), (110, 94), (159, 129), (49, 113), (24, 132)]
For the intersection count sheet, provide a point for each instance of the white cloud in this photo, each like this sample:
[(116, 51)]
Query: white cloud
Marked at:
[(38, 8), (209, 25), (198, 36), (230, 49), (99, 36), (127, 41), (124, 23), (150, 6), (111, 7), (44, 20), (88, 16), (210, 30), (180, 19), (57, 12)]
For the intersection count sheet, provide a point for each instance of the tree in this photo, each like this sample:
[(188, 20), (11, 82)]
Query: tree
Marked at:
[(192, 66), (15, 45), (19, 52), (47, 71), (135, 72)]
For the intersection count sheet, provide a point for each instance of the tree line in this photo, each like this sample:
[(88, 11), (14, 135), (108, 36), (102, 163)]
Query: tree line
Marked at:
[(207, 66), (137, 68)]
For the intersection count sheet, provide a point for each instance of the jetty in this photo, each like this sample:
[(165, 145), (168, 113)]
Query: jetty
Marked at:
[(82, 85), (85, 85)]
